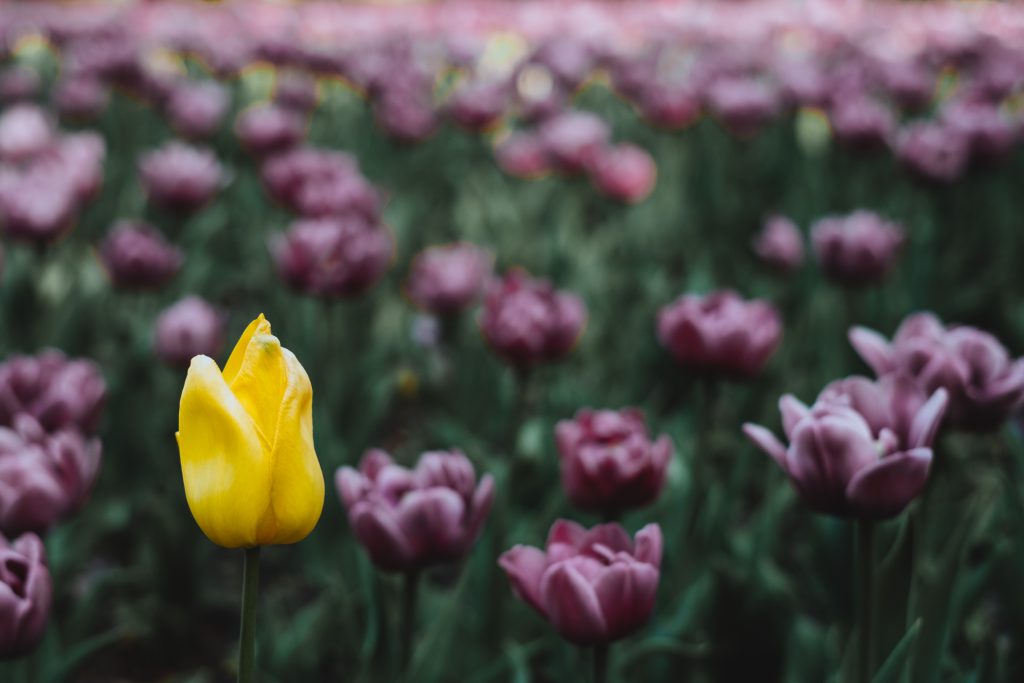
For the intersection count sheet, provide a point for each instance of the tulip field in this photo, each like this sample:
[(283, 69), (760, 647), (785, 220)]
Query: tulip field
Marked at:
[(489, 342)]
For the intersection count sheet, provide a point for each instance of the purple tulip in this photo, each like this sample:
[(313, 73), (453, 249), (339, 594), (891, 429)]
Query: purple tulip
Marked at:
[(178, 177), (81, 156), (410, 519), (196, 109), (522, 155), (858, 249), (526, 321), (609, 462), (408, 117), (43, 476), (720, 333), (267, 129), (446, 279), (332, 257), (595, 586), (25, 132), (191, 327), (933, 151), (37, 205), (984, 383), (296, 91), (60, 393), (319, 184), (573, 140), (780, 245), (18, 83), (26, 592), (137, 256), (668, 105), (861, 121), (80, 98), (625, 173), (742, 104), (478, 106), (847, 463), (988, 132)]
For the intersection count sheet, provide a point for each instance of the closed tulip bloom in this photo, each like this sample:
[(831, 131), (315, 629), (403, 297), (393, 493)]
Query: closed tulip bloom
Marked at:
[(267, 129), (984, 383), (595, 586), (296, 91), (245, 436), (669, 105), (43, 476), (478, 106), (25, 132), (527, 321), (780, 245), (573, 140), (196, 110), (609, 461), (60, 393), (720, 333), (989, 132), (861, 121), (18, 83), (408, 117), (37, 206), (319, 183), (742, 104), (858, 249), (445, 279), (179, 177), (26, 593), (522, 155), (332, 257), (410, 519), (137, 256), (625, 173), (933, 151), (80, 97), (81, 155), (191, 327), (841, 466)]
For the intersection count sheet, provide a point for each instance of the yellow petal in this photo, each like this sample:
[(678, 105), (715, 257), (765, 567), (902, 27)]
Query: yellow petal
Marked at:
[(260, 325), (260, 382), (297, 491), (224, 465)]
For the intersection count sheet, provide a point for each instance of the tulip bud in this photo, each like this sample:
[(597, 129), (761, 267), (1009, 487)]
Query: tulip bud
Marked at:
[(412, 519), (573, 140), (267, 129), (26, 592), (522, 155), (478, 106), (296, 91), (196, 109), (985, 385), (933, 151), (18, 83), (861, 122), (136, 256), (446, 279), (80, 97), (245, 436), (60, 393), (780, 244), (191, 327), (609, 462), (989, 133), (720, 333), (625, 173), (595, 586), (25, 132), (319, 184), (181, 178), (526, 321), (742, 104), (858, 249)]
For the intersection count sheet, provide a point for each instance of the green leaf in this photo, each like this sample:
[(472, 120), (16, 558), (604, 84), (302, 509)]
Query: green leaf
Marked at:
[(895, 664)]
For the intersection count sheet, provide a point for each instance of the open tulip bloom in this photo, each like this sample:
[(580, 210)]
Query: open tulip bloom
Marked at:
[(245, 436)]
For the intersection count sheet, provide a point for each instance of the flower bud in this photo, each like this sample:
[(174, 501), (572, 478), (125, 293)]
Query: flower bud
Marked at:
[(181, 178), (60, 393), (446, 279), (858, 249), (136, 256), (625, 173), (780, 245), (191, 327), (26, 592)]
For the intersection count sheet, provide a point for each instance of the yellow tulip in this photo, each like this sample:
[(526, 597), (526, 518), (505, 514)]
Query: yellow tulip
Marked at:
[(246, 441)]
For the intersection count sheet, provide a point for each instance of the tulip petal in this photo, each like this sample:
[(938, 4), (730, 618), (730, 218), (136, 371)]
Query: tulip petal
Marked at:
[(626, 592), (572, 605), (873, 348), (260, 381), (431, 520), (524, 565), (260, 325), (350, 485), (886, 488), (649, 544), (768, 442), (297, 494), (483, 497), (377, 529), (793, 410), (223, 464), (927, 421)]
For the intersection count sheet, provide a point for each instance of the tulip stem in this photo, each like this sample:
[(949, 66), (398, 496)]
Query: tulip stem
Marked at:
[(247, 634), (600, 663), (866, 571), (410, 590)]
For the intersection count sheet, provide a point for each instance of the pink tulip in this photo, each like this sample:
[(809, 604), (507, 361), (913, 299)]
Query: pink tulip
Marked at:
[(25, 132), (522, 155), (60, 393), (196, 109), (573, 140), (595, 586), (446, 279), (858, 249), (625, 173), (179, 177), (410, 519), (609, 462), (137, 256), (268, 129), (191, 327), (26, 593), (720, 333), (780, 245)]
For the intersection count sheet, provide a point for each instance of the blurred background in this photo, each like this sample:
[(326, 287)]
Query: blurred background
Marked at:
[(169, 170)]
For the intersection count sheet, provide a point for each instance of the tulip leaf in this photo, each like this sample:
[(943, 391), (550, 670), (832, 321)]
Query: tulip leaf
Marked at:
[(894, 667)]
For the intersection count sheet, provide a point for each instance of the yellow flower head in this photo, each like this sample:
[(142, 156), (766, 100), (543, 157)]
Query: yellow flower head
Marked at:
[(246, 443)]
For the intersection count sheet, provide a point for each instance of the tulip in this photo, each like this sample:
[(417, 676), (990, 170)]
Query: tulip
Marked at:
[(669, 105), (191, 327), (446, 279), (58, 392), (573, 140), (80, 98), (18, 83), (526, 321), (742, 104), (408, 117), (595, 586), (319, 184), (296, 91), (37, 206), (25, 132), (43, 477), (780, 245), (136, 256), (933, 151), (861, 122), (840, 465), (478, 106), (81, 155), (179, 177), (625, 173), (989, 133), (332, 257), (522, 155), (411, 519), (609, 462), (985, 385), (252, 478), (720, 333), (26, 593), (196, 109), (858, 249), (267, 129)]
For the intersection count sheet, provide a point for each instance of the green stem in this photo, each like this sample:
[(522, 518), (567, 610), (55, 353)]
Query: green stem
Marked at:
[(247, 634), (601, 663), (866, 573), (410, 589)]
